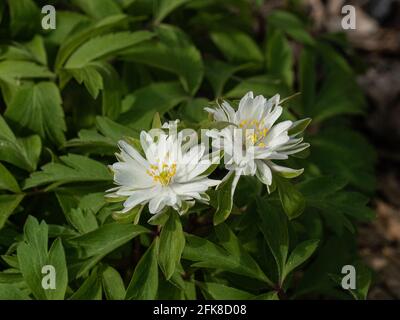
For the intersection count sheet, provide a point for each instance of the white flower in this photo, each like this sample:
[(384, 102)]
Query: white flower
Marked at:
[(253, 140), (170, 174)]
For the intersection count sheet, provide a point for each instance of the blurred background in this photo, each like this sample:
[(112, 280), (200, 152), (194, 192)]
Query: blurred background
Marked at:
[(377, 41)]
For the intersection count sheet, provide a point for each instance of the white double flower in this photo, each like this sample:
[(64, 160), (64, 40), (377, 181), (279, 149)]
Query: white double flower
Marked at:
[(252, 139), (172, 172)]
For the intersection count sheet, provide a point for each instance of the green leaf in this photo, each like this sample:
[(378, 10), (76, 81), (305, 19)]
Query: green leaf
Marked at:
[(267, 296), (8, 203), (157, 97), (337, 149), (321, 187), (144, 282), (307, 79), (104, 140), (173, 52), (299, 255), (163, 8), (299, 126), (98, 8), (363, 281), (218, 73), (264, 85), (209, 255), (12, 292), (237, 46), (172, 242), (104, 46), (292, 200), (76, 40), (21, 152), (275, 230), (340, 94), (112, 92), (103, 240), (82, 220), (33, 51), (292, 25), (33, 255), (90, 76), (67, 22), (217, 291), (113, 285), (90, 289), (24, 16), (74, 168), (280, 58), (7, 181), (225, 191), (10, 69), (38, 107)]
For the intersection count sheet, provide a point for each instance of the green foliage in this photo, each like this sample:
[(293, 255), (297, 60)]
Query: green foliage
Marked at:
[(113, 68)]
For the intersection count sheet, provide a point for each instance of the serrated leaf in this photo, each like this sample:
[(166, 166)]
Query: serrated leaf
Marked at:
[(209, 255), (10, 69), (38, 107), (21, 152), (103, 240), (82, 220), (74, 168), (33, 255)]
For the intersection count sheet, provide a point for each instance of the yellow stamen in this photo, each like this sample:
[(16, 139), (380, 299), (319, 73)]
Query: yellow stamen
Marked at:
[(259, 131), (163, 175)]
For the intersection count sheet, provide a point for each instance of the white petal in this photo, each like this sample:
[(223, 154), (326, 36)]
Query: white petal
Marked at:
[(157, 204), (131, 175), (264, 173), (130, 153), (244, 107), (139, 197)]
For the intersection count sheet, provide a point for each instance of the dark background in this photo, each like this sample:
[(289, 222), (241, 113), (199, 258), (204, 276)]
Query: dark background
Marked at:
[(377, 41)]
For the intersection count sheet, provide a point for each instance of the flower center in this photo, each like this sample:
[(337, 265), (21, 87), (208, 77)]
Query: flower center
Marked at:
[(162, 175), (258, 131)]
